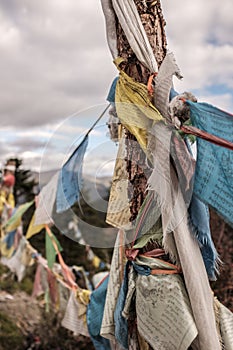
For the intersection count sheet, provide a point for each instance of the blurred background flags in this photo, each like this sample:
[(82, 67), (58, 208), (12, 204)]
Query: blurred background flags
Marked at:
[(46, 200), (15, 219), (70, 178), (51, 243)]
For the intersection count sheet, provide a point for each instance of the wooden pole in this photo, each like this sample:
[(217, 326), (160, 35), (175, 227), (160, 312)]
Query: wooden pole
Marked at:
[(152, 19)]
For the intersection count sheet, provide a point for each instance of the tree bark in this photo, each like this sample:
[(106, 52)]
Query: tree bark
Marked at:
[(154, 23)]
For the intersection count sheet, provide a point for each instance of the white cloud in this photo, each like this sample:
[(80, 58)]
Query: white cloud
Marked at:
[(200, 35), (223, 101)]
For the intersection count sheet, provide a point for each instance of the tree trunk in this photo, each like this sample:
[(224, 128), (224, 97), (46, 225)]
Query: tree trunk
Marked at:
[(154, 23)]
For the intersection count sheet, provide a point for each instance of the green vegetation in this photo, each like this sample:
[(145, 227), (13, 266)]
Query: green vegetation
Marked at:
[(24, 182), (9, 283), (10, 335)]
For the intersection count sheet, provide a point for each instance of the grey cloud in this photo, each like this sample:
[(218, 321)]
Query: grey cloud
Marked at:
[(24, 144), (4, 148), (56, 63)]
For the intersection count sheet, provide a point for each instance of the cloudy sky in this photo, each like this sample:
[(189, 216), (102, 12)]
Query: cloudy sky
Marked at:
[(55, 71)]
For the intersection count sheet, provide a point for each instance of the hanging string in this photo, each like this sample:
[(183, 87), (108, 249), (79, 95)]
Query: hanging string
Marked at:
[(65, 268), (96, 122), (89, 131)]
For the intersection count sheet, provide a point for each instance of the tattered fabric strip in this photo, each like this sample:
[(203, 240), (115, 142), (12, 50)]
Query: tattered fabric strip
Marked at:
[(200, 226), (226, 326), (163, 83), (114, 285), (130, 21), (46, 200), (110, 21)]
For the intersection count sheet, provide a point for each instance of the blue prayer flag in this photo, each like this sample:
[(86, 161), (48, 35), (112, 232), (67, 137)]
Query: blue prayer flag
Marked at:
[(70, 178), (9, 239), (214, 168), (95, 311), (121, 323), (200, 224), (112, 91)]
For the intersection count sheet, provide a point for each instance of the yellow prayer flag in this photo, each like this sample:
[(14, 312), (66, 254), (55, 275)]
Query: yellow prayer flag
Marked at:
[(15, 219), (96, 261), (7, 253), (134, 107), (11, 200), (33, 229)]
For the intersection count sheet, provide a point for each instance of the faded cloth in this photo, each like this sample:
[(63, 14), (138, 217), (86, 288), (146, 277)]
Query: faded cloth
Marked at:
[(110, 21), (226, 326), (130, 21), (163, 83), (46, 200), (175, 218), (118, 212), (70, 178), (15, 262), (71, 319), (164, 315), (114, 285), (214, 169)]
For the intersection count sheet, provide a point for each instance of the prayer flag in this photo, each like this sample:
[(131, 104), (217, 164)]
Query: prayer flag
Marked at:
[(47, 197), (50, 249), (214, 167), (33, 229), (15, 219), (70, 177)]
